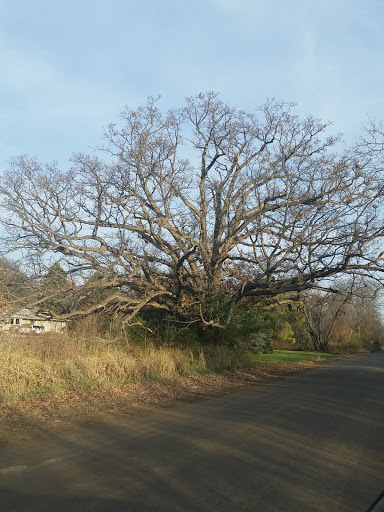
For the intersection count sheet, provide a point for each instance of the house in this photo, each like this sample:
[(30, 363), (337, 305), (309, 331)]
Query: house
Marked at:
[(25, 321)]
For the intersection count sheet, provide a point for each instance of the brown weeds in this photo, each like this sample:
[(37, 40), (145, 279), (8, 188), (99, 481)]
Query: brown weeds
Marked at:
[(34, 365)]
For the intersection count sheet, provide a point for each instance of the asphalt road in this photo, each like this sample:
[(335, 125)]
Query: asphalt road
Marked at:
[(311, 442)]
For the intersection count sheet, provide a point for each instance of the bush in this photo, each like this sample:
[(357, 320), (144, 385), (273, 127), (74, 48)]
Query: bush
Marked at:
[(375, 346), (258, 342), (290, 331), (250, 330), (354, 344)]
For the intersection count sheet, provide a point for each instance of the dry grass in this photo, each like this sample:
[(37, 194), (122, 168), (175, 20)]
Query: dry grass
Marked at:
[(24, 420), (56, 382), (30, 366), (38, 366)]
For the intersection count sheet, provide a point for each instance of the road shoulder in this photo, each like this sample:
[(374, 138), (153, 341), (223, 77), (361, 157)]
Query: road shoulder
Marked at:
[(23, 421)]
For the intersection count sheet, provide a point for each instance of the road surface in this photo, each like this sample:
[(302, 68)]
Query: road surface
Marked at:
[(311, 442)]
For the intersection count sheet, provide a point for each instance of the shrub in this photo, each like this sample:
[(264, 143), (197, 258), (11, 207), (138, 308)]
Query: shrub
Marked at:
[(354, 344), (375, 346), (250, 330)]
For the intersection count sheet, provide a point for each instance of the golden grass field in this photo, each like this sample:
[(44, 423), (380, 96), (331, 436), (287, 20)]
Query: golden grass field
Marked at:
[(32, 366), (47, 364)]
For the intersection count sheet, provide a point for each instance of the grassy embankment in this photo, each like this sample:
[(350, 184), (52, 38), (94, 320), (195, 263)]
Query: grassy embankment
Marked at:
[(44, 365)]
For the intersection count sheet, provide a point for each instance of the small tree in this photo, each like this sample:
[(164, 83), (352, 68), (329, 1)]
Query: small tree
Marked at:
[(321, 311), (15, 286), (349, 318), (4, 306)]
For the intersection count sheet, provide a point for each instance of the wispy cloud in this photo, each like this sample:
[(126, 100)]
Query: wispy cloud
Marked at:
[(68, 68)]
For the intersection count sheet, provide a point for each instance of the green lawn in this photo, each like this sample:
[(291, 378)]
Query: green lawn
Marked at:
[(289, 356)]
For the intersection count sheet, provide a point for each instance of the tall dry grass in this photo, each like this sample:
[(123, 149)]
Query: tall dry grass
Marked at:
[(34, 365)]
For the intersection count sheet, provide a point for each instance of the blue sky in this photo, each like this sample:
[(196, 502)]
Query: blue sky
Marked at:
[(69, 67)]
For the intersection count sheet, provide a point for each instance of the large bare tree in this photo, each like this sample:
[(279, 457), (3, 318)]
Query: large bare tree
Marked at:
[(179, 198)]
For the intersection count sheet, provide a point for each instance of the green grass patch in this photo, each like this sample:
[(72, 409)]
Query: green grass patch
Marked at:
[(290, 356)]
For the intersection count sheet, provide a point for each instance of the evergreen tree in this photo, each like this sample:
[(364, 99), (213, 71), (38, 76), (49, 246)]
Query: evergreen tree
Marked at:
[(56, 292)]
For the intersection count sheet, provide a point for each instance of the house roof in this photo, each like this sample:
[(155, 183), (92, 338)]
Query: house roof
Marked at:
[(25, 314)]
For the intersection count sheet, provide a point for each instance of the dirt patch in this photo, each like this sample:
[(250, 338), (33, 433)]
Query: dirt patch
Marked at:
[(26, 420)]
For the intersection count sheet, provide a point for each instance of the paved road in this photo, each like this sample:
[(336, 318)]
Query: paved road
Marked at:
[(312, 442)]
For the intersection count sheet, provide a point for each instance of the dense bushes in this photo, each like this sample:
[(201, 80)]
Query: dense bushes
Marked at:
[(251, 328)]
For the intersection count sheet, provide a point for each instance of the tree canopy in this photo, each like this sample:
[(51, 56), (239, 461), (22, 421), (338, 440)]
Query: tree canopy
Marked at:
[(180, 200)]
